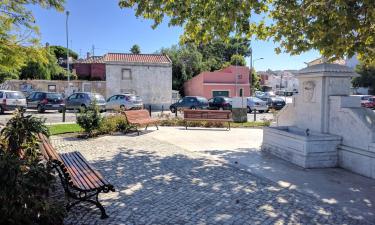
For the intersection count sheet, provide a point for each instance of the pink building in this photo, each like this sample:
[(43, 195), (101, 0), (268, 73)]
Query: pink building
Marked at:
[(231, 81)]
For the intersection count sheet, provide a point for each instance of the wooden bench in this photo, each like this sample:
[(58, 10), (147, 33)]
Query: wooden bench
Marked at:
[(139, 118), (208, 115), (80, 180)]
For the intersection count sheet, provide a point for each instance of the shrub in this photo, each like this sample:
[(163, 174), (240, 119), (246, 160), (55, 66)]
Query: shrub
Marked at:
[(113, 123), (21, 129), (90, 119), (25, 180)]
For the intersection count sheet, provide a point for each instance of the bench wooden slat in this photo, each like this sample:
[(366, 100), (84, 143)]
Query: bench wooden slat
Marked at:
[(208, 115), (98, 175), (74, 174), (87, 170)]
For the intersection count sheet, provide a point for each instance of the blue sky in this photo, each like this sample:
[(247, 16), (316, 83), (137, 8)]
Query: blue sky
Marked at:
[(111, 29)]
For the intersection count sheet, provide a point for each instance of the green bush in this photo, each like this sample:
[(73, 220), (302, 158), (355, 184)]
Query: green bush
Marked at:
[(113, 123), (21, 129), (25, 180), (90, 119)]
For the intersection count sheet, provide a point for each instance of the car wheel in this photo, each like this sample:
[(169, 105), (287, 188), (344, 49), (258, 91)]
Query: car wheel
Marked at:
[(193, 108), (248, 110), (82, 108), (60, 110), (261, 111), (173, 109), (122, 107), (40, 109), (221, 108), (1, 110)]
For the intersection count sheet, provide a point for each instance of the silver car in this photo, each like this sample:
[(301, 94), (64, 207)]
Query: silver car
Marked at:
[(254, 103), (10, 100), (82, 100), (124, 102)]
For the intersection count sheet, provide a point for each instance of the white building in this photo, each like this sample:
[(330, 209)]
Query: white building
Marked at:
[(146, 75), (279, 80)]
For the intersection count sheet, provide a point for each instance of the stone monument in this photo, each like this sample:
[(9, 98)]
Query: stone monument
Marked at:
[(325, 126)]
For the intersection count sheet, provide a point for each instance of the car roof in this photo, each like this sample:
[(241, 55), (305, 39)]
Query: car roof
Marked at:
[(9, 91)]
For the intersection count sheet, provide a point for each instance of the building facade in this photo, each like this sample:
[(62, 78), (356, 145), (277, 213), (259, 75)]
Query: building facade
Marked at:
[(231, 81), (146, 75)]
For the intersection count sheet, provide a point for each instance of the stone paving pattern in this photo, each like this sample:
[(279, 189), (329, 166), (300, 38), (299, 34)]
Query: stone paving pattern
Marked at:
[(159, 183)]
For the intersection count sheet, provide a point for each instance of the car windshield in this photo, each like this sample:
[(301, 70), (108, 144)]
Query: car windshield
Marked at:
[(254, 99), (99, 98), (200, 99), (131, 97), (53, 96), (14, 95)]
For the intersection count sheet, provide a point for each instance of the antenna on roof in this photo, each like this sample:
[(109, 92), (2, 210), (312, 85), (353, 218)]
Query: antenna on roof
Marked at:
[(93, 50)]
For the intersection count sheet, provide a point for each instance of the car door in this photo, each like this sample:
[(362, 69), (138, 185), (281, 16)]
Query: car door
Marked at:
[(36, 99), (70, 101), (110, 102), (211, 103), (29, 100), (217, 102)]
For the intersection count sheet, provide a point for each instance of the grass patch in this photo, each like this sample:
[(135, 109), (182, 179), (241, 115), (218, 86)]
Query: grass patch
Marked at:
[(251, 124), (64, 128)]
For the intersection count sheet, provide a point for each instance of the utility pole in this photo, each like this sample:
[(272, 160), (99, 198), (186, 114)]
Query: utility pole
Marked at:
[(93, 50), (67, 51), (251, 70)]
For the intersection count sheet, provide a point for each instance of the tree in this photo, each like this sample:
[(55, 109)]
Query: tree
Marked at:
[(19, 34), (61, 52), (44, 67), (255, 81), (186, 63), (366, 78), (135, 49), (335, 28)]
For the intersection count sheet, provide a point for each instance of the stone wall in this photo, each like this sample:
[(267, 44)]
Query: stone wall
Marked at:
[(60, 86), (153, 82)]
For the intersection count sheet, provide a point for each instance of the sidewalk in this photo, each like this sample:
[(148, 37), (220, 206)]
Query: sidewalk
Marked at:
[(353, 193)]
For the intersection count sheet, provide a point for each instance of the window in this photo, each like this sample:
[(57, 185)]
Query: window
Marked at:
[(52, 88), (126, 74), (73, 96), (38, 95), (241, 92)]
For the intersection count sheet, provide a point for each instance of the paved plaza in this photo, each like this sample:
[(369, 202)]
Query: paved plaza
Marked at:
[(174, 176)]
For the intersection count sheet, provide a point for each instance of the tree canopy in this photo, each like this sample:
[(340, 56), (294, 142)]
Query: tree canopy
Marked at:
[(336, 28), (366, 78), (135, 49), (60, 52), (19, 35), (188, 60)]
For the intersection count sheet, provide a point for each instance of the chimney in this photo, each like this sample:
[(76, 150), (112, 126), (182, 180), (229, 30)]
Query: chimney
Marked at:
[(87, 55)]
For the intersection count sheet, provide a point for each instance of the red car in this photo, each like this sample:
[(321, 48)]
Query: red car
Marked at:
[(368, 101)]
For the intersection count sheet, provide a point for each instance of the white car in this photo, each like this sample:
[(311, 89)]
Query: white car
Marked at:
[(10, 100), (124, 102), (254, 103)]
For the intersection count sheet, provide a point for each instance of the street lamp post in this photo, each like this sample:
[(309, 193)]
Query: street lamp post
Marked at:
[(251, 68), (67, 51)]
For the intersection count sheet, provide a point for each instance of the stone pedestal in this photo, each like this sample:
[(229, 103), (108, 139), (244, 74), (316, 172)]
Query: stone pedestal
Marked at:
[(324, 126)]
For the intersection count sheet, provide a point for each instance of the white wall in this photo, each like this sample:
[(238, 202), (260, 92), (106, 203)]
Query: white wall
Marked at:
[(153, 82)]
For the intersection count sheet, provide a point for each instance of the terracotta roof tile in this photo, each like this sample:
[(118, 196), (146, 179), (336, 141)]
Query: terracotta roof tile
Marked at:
[(92, 59), (140, 58)]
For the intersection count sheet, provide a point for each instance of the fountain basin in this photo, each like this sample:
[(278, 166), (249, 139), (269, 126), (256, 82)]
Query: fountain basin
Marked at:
[(315, 150)]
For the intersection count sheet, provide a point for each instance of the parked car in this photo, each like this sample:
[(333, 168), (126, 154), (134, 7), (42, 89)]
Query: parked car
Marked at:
[(275, 102), (366, 102), (220, 103), (82, 100), (254, 103), (124, 102), (189, 102), (43, 101), (10, 100)]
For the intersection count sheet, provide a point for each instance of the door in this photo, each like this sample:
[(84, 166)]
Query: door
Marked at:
[(111, 102), (36, 99), (220, 93), (71, 101)]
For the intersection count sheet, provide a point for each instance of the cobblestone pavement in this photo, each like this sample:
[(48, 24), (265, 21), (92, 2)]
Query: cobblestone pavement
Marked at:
[(159, 183)]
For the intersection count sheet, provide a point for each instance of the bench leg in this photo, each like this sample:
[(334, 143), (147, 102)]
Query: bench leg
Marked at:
[(146, 127), (157, 128), (87, 199), (228, 125)]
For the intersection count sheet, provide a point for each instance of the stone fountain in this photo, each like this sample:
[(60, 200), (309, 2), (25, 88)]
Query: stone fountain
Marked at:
[(325, 126)]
